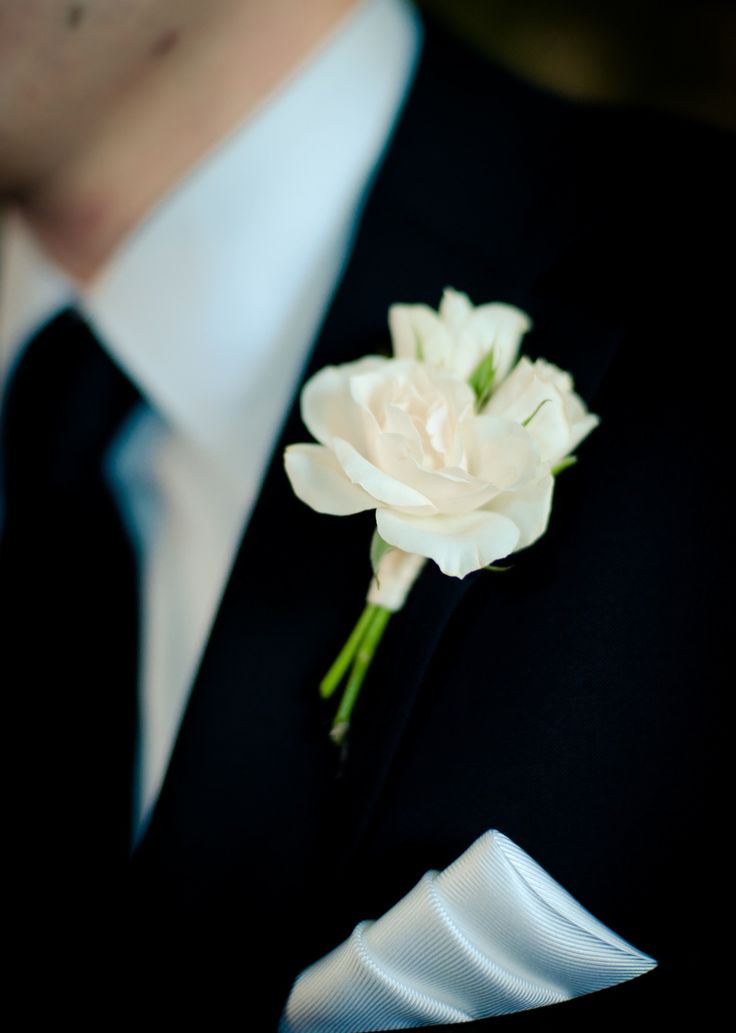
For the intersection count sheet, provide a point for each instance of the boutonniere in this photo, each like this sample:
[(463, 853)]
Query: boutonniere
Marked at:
[(455, 442)]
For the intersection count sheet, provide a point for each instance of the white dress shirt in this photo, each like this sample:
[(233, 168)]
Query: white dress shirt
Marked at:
[(211, 307)]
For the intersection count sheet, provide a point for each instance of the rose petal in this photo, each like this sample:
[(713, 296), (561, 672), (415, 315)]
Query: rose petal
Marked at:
[(418, 332), (380, 485), (455, 309), (400, 426), (579, 431), (327, 407), (401, 327), (507, 394), (501, 327), (529, 508), (317, 479), (580, 420), (524, 394), (561, 423), (451, 489), (501, 451), (457, 544)]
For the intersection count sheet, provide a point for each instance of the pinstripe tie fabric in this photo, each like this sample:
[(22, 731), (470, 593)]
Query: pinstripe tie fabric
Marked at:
[(491, 934), (68, 613)]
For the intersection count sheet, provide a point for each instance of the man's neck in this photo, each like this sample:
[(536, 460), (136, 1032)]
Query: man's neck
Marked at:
[(203, 81)]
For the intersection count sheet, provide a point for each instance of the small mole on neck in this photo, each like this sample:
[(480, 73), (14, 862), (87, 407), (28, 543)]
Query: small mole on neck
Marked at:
[(74, 15), (165, 43)]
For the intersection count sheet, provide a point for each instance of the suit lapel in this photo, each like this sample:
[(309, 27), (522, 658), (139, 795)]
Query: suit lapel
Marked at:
[(254, 784)]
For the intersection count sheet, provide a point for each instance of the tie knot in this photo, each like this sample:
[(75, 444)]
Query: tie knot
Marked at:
[(65, 402)]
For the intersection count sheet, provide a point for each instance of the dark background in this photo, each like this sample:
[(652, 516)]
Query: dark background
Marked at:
[(677, 56)]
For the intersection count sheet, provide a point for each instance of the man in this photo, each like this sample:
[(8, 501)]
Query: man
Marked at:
[(567, 702)]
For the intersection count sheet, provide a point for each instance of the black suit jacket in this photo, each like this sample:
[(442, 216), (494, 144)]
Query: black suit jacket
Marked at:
[(570, 702)]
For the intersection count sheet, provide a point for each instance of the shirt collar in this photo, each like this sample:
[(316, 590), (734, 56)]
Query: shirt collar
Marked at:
[(213, 277)]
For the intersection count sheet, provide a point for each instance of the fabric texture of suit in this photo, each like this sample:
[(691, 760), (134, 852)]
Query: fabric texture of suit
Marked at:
[(570, 703)]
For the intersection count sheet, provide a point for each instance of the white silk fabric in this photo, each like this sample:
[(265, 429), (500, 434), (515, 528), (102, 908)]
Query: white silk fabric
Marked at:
[(491, 934)]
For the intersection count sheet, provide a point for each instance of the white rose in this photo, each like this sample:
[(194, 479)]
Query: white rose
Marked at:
[(403, 437), (561, 420), (458, 337)]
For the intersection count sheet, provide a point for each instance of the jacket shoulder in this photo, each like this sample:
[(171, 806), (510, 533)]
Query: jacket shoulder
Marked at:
[(640, 173)]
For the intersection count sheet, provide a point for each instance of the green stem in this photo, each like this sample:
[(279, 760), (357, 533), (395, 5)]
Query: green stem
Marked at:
[(345, 657), (363, 657)]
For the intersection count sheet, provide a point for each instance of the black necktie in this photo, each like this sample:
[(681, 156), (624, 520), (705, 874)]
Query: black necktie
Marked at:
[(69, 620)]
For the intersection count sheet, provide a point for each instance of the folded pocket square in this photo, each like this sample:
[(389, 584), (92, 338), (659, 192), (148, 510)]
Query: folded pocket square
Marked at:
[(491, 934)]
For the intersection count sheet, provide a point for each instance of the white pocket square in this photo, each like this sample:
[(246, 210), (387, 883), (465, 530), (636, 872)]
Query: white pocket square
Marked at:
[(491, 934)]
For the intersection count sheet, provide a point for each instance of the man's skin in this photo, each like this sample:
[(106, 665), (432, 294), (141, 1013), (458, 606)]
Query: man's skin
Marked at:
[(103, 105)]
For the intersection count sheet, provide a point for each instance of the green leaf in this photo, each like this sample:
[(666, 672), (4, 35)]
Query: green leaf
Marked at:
[(496, 569), (482, 378), (528, 420), (379, 548), (563, 465)]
